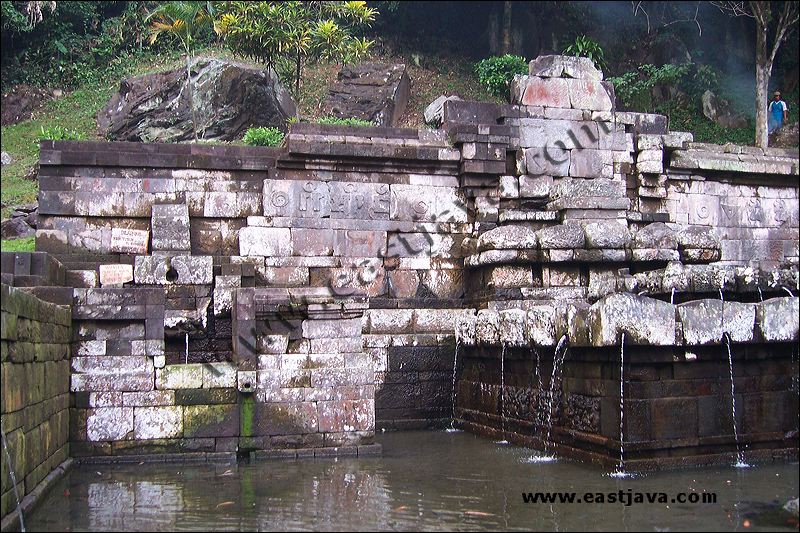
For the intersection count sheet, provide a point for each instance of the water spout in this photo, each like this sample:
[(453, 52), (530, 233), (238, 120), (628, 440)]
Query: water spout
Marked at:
[(672, 296), (784, 287), (760, 295), (739, 457), (502, 396), (620, 472), (186, 346), (558, 361), (13, 477), (453, 412)]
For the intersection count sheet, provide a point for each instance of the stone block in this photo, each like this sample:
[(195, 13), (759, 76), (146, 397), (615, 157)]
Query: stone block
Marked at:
[(701, 322), (129, 241), (180, 377), (317, 329), (778, 318), (510, 237), (181, 269), (531, 186), (606, 234), (157, 422), (557, 66), (548, 160), (643, 320), (357, 243), (540, 325), (312, 242), (219, 375), (427, 204), (487, 328), (563, 134), (563, 236), (591, 94), (115, 274), (211, 421), (170, 226), (656, 236), (269, 242), (536, 91), (588, 163), (109, 423)]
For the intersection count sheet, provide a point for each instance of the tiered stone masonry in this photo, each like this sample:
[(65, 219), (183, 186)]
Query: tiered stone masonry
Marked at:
[(295, 299)]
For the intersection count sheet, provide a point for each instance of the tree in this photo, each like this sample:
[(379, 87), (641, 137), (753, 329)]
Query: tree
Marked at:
[(183, 21), (762, 13), (294, 31)]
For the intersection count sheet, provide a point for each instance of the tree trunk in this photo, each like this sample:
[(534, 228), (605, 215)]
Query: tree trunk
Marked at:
[(763, 68), (191, 94), (506, 46), (297, 77)]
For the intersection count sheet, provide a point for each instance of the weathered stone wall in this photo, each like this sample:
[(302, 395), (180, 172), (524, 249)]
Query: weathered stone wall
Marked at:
[(35, 359), (546, 217)]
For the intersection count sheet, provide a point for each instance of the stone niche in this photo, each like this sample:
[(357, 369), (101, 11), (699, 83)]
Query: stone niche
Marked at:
[(305, 379)]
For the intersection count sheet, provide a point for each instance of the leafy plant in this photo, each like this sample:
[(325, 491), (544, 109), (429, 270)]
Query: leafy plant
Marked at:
[(263, 137), (635, 88), (182, 21), (496, 73), (272, 32), (583, 46), (59, 133), (336, 121)]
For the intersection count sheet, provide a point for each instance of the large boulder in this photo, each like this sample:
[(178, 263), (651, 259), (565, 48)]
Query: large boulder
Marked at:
[(718, 110), (21, 102), (228, 98), (375, 92)]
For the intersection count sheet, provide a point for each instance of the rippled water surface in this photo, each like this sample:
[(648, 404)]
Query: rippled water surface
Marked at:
[(424, 480)]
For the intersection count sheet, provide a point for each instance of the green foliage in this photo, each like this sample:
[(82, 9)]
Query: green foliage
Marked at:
[(59, 133), (336, 121), (686, 118), (293, 32), (74, 43), (583, 46), (496, 73), (635, 88), (28, 244), (263, 137), (182, 21)]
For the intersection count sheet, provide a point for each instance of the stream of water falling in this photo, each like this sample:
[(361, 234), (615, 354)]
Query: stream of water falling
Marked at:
[(672, 296), (452, 427), (620, 472), (13, 477), (739, 457), (558, 362), (502, 396), (760, 295), (787, 290), (186, 347), (539, 387)]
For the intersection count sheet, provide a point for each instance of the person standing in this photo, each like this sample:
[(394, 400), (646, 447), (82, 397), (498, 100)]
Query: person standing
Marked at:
[(778, 113)]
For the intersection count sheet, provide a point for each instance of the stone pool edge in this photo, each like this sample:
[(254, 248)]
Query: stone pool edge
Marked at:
[(32, 499)]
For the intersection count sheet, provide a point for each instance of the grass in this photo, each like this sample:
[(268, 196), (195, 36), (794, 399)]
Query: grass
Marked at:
[(28, 244)]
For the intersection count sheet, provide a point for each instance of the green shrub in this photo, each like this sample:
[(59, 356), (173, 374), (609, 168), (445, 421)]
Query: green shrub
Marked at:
[(635, 89), (59, 133), (336, 121), (263, 137), (583, 46), (28, 244), (496, 73)]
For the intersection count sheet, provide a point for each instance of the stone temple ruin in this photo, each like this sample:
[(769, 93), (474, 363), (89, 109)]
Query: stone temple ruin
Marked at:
[(213, 300)]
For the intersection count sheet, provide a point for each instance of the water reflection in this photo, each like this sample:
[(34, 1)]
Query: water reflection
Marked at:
[(425, 480)]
